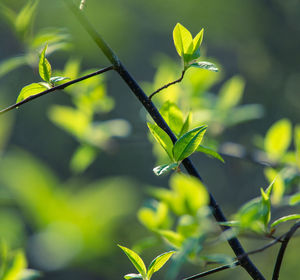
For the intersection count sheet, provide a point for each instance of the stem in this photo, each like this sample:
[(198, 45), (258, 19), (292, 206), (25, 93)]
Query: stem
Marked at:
[(217, 269), (167, 85), (282, 249), (59, 87)]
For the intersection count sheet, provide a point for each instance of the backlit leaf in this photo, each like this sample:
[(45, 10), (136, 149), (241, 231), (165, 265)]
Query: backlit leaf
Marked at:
[(188, 143), (158, 263), (183, 40), (30, 90), (162, 138), (197, 41), (284, 219), (173, 116), (278, 138), (210, 152), (186, 125), (44, 66), (136, 260), (278, 186)]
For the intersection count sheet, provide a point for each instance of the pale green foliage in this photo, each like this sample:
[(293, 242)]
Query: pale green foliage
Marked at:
[(138, 263), (285, 219), (44, 66), (30, 90), (278, 139)]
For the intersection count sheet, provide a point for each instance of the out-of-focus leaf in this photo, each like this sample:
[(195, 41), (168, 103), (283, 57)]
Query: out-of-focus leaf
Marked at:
[(172, 237), (30, 90), (162, 138), (136, 261), (44, 66), (11, 64), (218, 258), (278, 186), (294, 199), (158, 263), (210, 152), (189, 194), (30, 274), (163, 169), (231, 93), (205, 65), (278, 139), (25, 18), (285, 219), (8, 14), (188, 143), (183, 40), (82, 158), (154, 219), (173, 116), (297, 144), (15, 267)]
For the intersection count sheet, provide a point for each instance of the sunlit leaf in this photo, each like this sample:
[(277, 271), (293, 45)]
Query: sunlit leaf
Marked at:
[(294, 199), (162, 169), (30, 90), (278, 186), (210, 152), (285, 219), (278, 138), (15, 267), (172, 237), (186, 125), (183, 40), (173, 116), (162, 138), (231, 93), (82, 158), (133, 276), (197, 41), (158, 263), (136, 260), (205, 65), (44, 66), (188, 143)]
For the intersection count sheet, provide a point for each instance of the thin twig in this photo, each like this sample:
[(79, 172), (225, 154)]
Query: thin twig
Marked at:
[(59, 87), (217, 269), (282, 249), (167, 85)]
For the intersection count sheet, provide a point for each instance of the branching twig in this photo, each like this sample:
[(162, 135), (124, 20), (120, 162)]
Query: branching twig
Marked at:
[(217, 269), (59, 87), (282, 249), (167, 85)]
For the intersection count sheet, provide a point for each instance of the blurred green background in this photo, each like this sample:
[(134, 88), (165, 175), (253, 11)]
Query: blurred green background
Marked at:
[(70, 220)]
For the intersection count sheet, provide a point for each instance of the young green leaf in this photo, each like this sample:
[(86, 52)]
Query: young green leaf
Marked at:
[(197, 41), (188, 143), (284, 219), (133, 276), (162, 138), (278, 186), (162, 169), (278, 139), (173, 116), (136, 261), (210, 152), (158, 263), (294, 199), (183, 40), (30, 90), (44, 66), (205, 65), (186, 125)]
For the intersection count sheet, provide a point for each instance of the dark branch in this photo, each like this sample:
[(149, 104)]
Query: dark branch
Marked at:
[(217, 269), (167, 85), (282, 249), (59, 87)]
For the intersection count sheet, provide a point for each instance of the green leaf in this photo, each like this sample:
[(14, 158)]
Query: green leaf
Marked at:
[(173, 116), (186, 126), (183, 40), (162, 138), (197, 41), (158, 263), (278, 186), (162, 169), (188, 143), (30, 274), (172, 237), (83, 158), (44, 66), (15, 267), (205, 65), (297, 144), (136, 260), (231, 93), (30, 90), (278, 139), (284, 219), (294, 199), (132, 276), (210, 152)]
